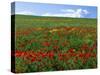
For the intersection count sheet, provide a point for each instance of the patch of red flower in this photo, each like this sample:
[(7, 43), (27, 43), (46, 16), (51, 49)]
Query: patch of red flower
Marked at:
[(46, 43), (55, 47), (51, 54), (18, 53), (71, 53), (71, 50)]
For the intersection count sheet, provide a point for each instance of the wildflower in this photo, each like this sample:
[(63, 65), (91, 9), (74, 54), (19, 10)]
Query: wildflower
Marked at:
[(33, 59), (18, 53), (46, 44), (56, 47), (81, 55), (87, 55), (44, 55), (51, 54), (71, 50)]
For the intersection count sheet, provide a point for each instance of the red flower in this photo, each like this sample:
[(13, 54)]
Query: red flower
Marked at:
[(46, 44), (71, 50), (18, 53), (51, 54), (62, 56), (81, 55), (72, 54), (55, 47), (33, 59), (87, 55), (44, 55)]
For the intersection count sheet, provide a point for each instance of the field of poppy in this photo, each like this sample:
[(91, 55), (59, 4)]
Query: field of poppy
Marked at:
[(54, 43)]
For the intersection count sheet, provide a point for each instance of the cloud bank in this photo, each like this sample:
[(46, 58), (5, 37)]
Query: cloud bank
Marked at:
[(69, 13), (78, 13)]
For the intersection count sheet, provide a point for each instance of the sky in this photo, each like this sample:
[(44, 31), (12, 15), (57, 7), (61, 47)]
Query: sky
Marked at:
[(57, 10)]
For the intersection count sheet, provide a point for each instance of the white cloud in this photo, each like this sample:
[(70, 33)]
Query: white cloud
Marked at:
[(60, 15), (79, 13), (67, 10), (85, 12), (25, 13)]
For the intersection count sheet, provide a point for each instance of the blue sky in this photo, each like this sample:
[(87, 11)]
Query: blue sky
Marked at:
[(58, 10)]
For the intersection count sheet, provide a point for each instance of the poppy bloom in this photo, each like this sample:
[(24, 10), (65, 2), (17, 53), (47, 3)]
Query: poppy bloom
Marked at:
[(46, 44), (81, 55), (18, 53), (62, 56), (51, 55), (44, 55), (33, 59), (55, 47), (71, 50), (87, 55)]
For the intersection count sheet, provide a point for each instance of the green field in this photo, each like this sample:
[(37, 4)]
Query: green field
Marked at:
[(54, 43)]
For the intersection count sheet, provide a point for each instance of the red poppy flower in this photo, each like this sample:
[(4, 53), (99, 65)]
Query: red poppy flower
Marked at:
[(46, 44), (33, 59), (18, 53), (87, 55), (51, 54), (55, 47), (81, 55), (71, 50)]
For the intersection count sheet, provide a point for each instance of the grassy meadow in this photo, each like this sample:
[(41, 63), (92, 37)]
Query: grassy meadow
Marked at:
[(54, 43)]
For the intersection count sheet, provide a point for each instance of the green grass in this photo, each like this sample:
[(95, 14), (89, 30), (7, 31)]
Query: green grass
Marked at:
[(58, 35), (36, 21)]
